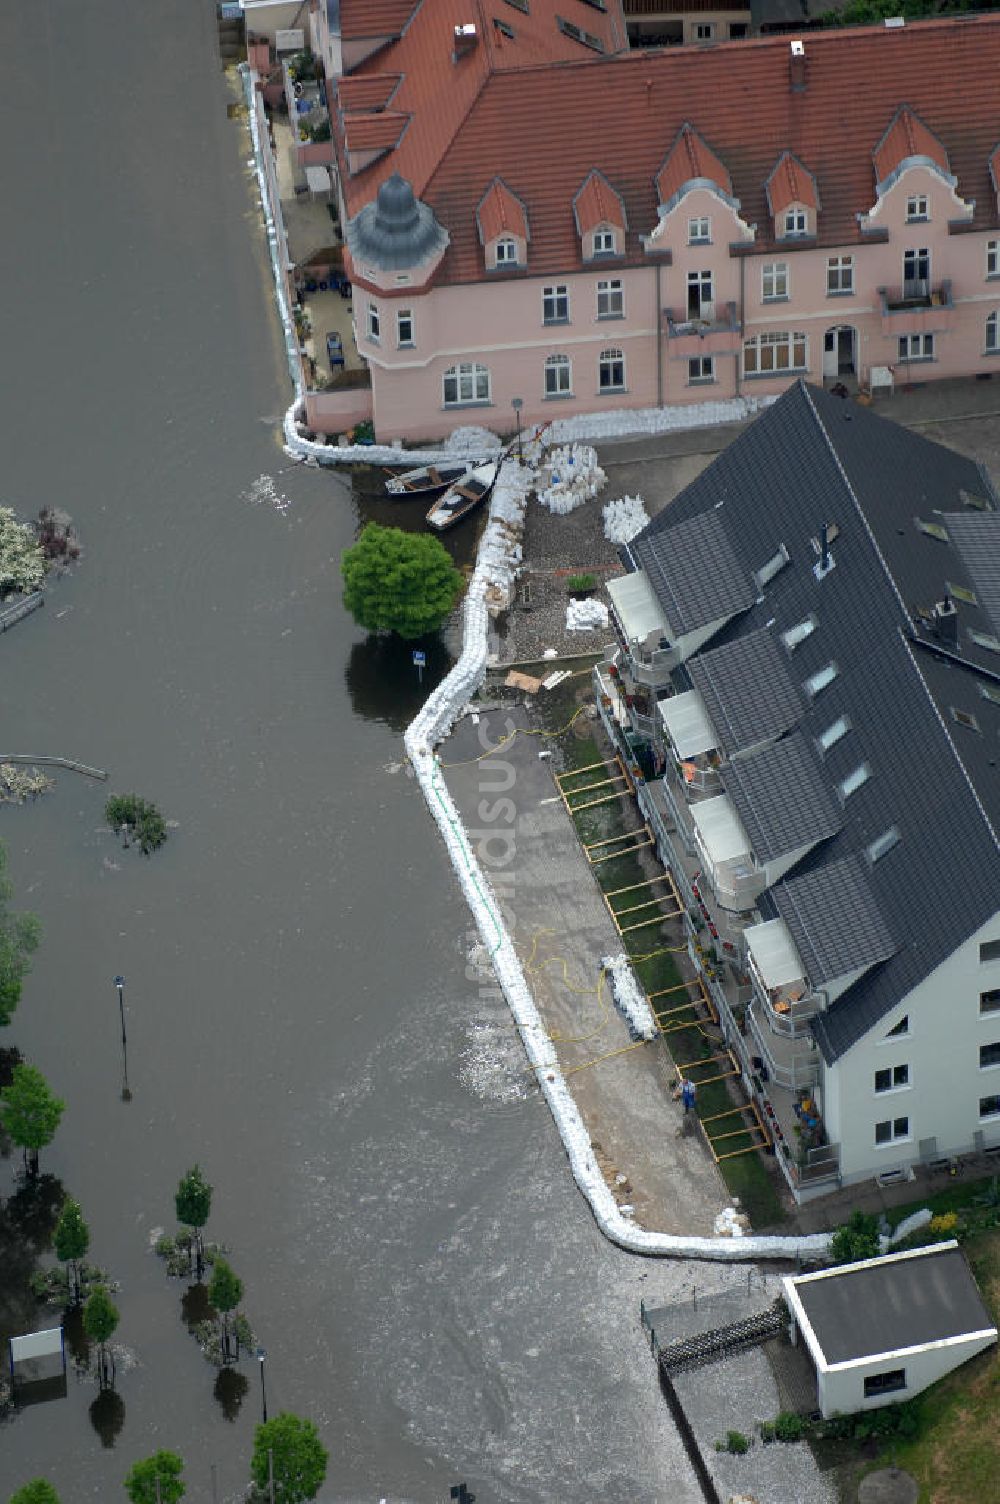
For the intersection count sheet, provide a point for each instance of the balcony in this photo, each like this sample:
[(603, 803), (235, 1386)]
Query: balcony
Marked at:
[(790, 1063), (917, 307), (305, 91), (716, 331)]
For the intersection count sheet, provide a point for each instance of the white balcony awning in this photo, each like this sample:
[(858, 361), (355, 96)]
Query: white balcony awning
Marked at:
[(721, 830), (774, 953), (317, 179), (687, 723), (639, 612)]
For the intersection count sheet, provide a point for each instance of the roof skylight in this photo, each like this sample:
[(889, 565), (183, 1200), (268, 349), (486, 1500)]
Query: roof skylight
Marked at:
[(854, 780), (775, 564), (883, 844), (820, 680), (990, 692), (798, 633), (984, 640), (840, 727), (933, 529), (964, 718), (962, 593)]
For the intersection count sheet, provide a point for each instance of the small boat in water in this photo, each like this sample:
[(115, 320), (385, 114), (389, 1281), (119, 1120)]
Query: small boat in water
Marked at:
[(429, 480), (464, 496)]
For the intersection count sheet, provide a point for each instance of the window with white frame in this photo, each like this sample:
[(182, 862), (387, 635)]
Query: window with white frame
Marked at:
[(774, 280), (404, 326), (916, 272), (993, 258), (989, 1002), (558, 376), (704, 31), (917, 206), (700, 302), (605, 242), (993, 333), (701, 368), (466, 384), (888, 1382), (700, 231), (555, 304), (778, 351), (891, 1130), (916, 347), (611, 371), (374, 323), (989, 1055), (795, 221), (892, 1078), (839, 274), (989, 1107), (611, 298), (506, 252)]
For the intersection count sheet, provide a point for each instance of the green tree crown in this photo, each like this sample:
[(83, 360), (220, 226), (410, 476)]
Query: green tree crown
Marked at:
[(225, 1289), (164, 1468), (29, 1110), (857, 1239), (299, 1458), (399, 582), (71, 1238), (38, 1491), (193, 1199), (18, 938), (100, 1316)]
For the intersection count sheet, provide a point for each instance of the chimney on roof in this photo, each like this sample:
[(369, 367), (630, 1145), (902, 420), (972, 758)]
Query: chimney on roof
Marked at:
[(466, 38), (797, 66), (946, 622)]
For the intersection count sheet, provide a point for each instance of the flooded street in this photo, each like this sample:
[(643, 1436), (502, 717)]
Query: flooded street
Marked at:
[(428, 1283)]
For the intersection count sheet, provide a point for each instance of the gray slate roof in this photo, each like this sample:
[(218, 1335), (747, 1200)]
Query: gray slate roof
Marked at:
[(977, 538), (396, 231), (812, 458), (782, 798), (892, 1304), (834, 919), (748, 692), (695, 573)]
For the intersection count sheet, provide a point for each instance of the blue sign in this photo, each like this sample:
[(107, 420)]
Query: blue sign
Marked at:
[(419, 658)]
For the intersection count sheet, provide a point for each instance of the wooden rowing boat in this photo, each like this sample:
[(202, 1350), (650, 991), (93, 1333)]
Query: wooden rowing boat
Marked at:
[(463, 497)]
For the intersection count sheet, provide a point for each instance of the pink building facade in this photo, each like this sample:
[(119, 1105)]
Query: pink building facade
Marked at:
[(688, 260)]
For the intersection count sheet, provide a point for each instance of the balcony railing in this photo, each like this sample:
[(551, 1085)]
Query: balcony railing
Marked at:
[(786, 1009), (695, 779), (794, 1069), (715, 331), (915, 306)]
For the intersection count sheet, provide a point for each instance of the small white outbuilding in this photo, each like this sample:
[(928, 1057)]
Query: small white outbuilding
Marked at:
[(881, 1330)]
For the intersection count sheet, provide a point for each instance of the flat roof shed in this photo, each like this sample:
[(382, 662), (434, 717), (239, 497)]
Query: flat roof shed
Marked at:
[(884, 1329)]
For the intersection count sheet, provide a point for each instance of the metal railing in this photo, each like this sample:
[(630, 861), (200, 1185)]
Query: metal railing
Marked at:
[(800, 1071)]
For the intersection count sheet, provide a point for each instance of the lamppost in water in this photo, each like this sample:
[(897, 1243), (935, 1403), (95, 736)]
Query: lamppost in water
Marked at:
[(517, 403), (126, 1093), (261, 1355)]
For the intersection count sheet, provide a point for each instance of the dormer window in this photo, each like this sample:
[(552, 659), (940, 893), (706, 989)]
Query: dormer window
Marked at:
[(795, 222), (605, 243), (506, 252)]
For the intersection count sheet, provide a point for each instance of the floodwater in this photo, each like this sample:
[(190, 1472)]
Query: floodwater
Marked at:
[(428, 1284)]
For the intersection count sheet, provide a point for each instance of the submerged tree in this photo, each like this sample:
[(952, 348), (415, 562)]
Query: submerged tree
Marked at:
[(225, 1291), (30, 1113), (194, 1202), (156, 1480), (18, 938), (292, 1448), (137, 819), (22, 563), (71, 1240), (100, 1322), (399, 582), (38, 1491)]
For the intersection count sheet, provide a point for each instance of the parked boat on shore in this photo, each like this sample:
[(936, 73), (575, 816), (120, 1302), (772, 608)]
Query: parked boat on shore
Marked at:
[(428, 480), (464, 496)]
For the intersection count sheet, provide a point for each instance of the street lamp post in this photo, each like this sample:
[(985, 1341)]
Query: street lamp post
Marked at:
[(126, 1093), (261, 1355), (517, 403)]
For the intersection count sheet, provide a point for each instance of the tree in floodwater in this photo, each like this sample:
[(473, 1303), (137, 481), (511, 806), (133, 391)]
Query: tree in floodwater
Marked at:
[(399, 582), (18, 938), (38, 1491), (194, 1202), (131, 816), (71, 1240), (293, 1448), (225, 1291), (100, 1322), (156, 1480), (30, 1113), (22, 562)]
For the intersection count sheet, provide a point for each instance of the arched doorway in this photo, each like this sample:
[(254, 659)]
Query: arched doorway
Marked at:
[(839, 352)]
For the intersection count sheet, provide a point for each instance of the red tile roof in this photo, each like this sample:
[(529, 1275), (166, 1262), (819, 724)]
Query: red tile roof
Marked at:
[(366, 91), (547, 127), (374, 18), (791, 183), (688, 159), (501, 211), (597, 203), (907, 136), (375, 132)]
